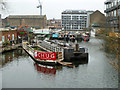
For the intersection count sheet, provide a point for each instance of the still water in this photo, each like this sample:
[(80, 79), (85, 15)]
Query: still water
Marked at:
[(20, 71)]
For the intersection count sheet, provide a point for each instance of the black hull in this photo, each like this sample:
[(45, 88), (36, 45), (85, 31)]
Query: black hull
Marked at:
[(77, 58)]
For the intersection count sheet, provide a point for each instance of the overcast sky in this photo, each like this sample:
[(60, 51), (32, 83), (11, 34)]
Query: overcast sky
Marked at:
[(51, 8)]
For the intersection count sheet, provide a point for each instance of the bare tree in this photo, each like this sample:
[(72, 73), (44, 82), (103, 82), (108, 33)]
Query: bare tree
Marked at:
[(3, 7)]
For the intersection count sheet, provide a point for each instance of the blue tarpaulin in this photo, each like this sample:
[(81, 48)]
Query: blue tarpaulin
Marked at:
[(55, 35), (13, 27)]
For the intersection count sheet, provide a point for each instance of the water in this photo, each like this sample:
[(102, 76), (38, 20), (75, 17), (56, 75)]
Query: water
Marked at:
[(93, 33), (20, 71)]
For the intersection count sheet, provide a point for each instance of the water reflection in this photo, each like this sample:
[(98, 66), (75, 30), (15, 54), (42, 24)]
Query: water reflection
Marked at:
[(81, 62), (10, 56), (45, 69)]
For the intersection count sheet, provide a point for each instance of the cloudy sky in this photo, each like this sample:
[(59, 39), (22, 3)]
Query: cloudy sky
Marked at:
[(51, 8)]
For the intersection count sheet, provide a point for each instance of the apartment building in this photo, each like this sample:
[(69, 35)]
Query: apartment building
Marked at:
[(75, 19), (0, 32), (0, 21), (113, 14)]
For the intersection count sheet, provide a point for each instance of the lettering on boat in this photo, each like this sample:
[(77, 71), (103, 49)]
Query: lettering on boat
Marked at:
[(45, 55)]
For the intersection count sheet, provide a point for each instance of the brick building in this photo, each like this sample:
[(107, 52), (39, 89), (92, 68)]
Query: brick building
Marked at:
[(36, 21), (97, 19), (8, 35), (54, 24)]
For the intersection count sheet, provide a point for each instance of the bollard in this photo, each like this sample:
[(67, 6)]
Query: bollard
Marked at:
[(77, 47)]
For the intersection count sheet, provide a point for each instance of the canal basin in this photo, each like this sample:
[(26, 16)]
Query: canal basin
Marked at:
[(18, 71)]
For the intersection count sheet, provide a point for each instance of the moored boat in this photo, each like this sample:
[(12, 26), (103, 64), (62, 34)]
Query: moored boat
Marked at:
[(40, 56)]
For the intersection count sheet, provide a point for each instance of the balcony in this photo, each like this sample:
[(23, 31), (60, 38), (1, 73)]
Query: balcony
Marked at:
[(112, 19), (108, 1), (111, 9)]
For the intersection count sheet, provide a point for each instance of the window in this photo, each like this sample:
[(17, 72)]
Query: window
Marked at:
[(107, 6), (114, 12), (112, 4), (115, 2), (119, 12), (12, 36), (3, 38)]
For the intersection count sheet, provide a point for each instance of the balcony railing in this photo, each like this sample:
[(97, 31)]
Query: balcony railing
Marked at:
[(111, 9), (112, 18)]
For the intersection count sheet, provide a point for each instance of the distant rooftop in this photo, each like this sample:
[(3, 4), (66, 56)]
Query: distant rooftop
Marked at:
[(26, 16), (6, 29)]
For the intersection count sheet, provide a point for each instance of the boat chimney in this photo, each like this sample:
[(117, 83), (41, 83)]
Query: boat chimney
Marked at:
[(77, 47)]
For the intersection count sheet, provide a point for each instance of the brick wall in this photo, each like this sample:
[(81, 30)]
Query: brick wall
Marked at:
[(97, 17), (30, 21), (57, 24), (9, 33)]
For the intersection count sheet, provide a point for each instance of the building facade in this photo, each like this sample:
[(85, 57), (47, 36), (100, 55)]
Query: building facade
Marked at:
[(8, 35), (97, 19), (0, 32), (113, 14), (36, 21), (54, 24), (0, 21), (75, 19)]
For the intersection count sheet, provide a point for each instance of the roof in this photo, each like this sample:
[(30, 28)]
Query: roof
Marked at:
[(108, 1), (26, 16), (97, 11), (7, 29), (75, 12), (41, 31)]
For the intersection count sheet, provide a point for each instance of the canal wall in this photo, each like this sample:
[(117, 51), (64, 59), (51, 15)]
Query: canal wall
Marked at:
[(9, 48)]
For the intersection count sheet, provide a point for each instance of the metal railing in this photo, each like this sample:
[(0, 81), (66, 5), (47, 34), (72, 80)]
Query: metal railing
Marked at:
[(53, 48), (47, 46)]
